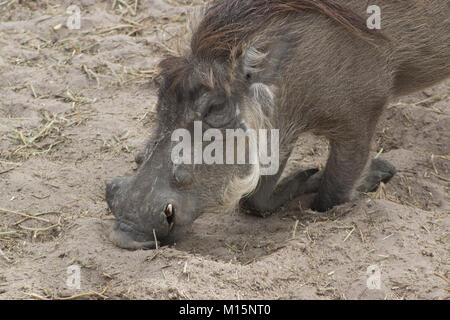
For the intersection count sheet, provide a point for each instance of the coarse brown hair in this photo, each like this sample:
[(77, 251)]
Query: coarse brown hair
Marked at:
[(228, 24)]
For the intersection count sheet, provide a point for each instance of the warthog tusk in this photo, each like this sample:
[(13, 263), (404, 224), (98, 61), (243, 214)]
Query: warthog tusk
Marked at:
[(169, 210)]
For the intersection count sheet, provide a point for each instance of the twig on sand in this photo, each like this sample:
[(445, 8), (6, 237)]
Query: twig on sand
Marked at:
[(8, 233), (440, 177), (153, 256), (379, 153), (36, 296), (130, 9), (442, 277), (121, 26), (156, 240), (76, 296), (350, 233), (87, 294), (7, 3), (40, 229), (24, 215), (7, 170), (295, 228), (33, 91), (91, 74), (434, 166)]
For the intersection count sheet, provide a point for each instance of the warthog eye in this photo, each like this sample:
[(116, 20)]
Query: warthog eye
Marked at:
[(219, 115), (214, 108)]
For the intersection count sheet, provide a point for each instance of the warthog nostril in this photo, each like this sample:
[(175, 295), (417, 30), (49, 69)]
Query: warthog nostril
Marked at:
[(112, 187), (170, 214), (139, 158)]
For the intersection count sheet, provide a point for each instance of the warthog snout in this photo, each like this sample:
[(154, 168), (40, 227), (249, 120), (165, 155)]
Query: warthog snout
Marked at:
[(148, 208), (129, 233)]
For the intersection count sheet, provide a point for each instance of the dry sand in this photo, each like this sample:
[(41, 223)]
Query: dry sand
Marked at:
[(77, 105)]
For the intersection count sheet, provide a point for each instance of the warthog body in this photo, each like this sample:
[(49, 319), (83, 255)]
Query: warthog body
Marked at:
[(292, 65)]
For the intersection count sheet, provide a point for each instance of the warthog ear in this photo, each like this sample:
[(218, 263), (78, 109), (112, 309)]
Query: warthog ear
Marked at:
[(261, 59), (253, 61)]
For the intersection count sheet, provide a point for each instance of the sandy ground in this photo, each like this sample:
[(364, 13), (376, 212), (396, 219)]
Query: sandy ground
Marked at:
[(77, 105)]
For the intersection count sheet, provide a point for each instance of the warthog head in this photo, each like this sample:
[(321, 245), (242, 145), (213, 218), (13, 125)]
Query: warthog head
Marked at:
[(210, 100)]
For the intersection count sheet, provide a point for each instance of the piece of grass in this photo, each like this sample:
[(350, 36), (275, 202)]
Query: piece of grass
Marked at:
[(295, 228), (3, 210)]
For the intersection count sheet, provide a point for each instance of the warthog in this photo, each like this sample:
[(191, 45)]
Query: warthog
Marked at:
[(291, 65)]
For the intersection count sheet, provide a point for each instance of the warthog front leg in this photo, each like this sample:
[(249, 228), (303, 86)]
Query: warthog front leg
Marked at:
[(379, 171), (269, 196), (333, 192), (345, 165)]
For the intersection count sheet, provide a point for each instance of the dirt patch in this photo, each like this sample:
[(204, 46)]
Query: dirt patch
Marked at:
[(77, 105)]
